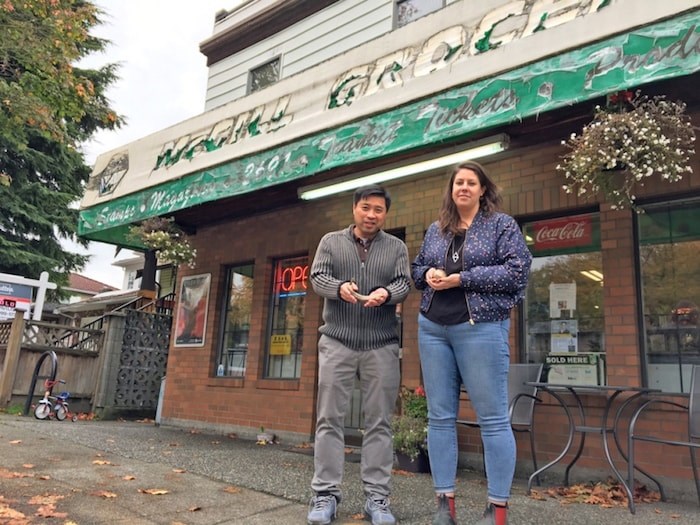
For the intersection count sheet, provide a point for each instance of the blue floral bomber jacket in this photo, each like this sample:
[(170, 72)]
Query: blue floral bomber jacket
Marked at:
[(495, 260)]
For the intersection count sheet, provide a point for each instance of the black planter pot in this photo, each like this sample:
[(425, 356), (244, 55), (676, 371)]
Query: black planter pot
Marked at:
[(419, 465)]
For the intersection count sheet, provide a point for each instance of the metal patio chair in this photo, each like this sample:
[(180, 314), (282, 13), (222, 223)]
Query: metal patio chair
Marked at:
[(521, 405), (693, 441)]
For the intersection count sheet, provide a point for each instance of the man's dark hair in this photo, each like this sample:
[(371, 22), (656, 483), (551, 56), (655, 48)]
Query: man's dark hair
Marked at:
[(363, 192)]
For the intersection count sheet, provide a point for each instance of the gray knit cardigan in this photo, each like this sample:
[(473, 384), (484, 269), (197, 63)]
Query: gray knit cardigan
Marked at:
[(337, 262)]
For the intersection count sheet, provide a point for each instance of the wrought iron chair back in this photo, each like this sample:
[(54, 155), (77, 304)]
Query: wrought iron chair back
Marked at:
[(692, 443), (521, 403)]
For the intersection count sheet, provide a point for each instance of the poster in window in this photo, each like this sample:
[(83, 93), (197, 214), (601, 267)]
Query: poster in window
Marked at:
[(564, 335), (562, 299), (192, 307)]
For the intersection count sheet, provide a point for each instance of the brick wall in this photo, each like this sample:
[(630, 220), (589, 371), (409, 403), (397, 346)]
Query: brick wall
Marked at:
[(530, 186)]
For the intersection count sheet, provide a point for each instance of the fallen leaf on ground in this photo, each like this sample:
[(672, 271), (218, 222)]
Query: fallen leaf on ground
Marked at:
[(45, 499), (104, 494), (129, 478), (232, 490), (15, 442), (303, 445), (101, 462), (12, 514), (606, 494), (28, 465), (359, 516), (179, 470), (49, 511), (194, 509), (154, 492), (8, 474)]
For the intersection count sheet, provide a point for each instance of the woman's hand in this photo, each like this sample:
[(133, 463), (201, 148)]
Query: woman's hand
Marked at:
[(438, 280)]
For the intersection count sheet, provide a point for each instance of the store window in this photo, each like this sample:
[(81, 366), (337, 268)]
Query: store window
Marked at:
[(283, 352), (409, 10), (669, 244), (564, 319), (264, 75), (233, 352)]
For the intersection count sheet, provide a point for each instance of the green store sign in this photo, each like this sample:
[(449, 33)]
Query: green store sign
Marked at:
[(660, 51)]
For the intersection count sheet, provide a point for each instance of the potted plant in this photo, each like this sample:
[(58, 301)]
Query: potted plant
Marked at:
[(633, 138), (167, 239), (410, 430)]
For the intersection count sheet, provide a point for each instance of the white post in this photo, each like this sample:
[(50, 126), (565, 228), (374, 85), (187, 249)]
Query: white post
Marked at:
[(40, 296)]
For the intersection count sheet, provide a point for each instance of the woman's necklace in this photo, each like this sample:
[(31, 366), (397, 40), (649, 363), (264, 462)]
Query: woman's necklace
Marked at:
[(457, 250)]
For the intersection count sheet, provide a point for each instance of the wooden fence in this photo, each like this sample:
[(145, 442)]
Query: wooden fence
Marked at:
[(22, 343)]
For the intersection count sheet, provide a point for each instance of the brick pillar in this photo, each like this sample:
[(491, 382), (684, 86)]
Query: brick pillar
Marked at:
[(620, 299)]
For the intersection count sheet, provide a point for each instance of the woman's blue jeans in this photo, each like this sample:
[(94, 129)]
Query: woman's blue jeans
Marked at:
[(478, 357)]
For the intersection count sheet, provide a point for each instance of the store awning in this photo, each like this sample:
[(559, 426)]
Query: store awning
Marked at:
[(652, 53)]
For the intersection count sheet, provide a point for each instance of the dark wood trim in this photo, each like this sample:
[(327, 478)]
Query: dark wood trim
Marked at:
[(281, 16)]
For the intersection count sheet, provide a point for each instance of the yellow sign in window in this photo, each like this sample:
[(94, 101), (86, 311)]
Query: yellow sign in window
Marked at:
[(281, 344)]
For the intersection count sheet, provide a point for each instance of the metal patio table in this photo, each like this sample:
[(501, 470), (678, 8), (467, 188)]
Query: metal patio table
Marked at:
[(579, 424)]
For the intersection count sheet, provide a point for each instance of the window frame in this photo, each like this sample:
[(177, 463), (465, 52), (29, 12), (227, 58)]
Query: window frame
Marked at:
[(524, 317), (396, 12), (692, 200), (252, 70), (272, 301), (221, 341)]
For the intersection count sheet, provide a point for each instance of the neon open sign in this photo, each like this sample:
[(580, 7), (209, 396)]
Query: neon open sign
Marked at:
[(292, 278)]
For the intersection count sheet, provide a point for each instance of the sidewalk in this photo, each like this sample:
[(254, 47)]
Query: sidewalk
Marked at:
[(111, 472)]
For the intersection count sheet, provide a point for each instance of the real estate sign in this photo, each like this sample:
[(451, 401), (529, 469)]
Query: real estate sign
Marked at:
[(11, 296)]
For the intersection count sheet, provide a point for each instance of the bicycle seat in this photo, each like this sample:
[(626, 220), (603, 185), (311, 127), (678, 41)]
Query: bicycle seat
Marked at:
[(63, 396)]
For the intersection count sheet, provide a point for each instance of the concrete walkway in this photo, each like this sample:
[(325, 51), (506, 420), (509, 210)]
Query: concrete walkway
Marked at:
[(136, 473)]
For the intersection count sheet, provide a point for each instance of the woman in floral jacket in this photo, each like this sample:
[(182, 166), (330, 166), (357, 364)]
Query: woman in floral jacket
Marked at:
[(472, 269)]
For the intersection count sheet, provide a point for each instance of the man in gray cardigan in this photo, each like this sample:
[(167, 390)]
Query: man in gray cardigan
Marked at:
[(362, 273)]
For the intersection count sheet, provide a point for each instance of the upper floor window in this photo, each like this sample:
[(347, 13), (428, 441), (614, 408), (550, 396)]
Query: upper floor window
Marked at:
[(410, 10), (233, 351), (264, 75), (283, 355), (669, 267)]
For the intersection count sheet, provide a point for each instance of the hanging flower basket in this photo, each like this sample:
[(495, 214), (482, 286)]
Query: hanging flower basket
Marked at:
[(631, 139), (167, 239)]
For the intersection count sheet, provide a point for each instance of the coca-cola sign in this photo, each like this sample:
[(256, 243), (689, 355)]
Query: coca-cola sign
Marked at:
[(562, 233)]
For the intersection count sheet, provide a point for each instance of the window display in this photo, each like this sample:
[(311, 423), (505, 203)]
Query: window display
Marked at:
[(564, 299), (669, 241), (287, 325), (233, 353)]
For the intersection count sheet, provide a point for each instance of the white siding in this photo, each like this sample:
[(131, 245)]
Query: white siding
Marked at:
[(330, 32)]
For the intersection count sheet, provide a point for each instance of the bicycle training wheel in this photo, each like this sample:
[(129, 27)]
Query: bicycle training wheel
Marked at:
[(61, 412), (42, 411)]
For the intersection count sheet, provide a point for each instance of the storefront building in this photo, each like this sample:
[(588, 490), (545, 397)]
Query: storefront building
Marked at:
[(252, 180)]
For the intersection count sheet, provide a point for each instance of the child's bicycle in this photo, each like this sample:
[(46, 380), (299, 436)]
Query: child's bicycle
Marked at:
[(59, 408)]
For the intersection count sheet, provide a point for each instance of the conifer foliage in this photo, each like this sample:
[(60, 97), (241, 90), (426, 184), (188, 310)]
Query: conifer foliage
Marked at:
[(49, 106)]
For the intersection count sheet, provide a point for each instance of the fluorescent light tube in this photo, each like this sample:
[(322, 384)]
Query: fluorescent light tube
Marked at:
[(478, 149)]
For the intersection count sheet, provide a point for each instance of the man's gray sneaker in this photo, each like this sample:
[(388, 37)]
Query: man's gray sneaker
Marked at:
[(377, 510), (322, 510)]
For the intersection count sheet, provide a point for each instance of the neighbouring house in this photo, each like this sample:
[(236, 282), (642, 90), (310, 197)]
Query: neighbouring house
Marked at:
[(305, 99)]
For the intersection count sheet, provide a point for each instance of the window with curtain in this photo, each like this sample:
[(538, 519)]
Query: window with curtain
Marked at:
[(669, 244), (289, 286), (563, 308), (233, 352)]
